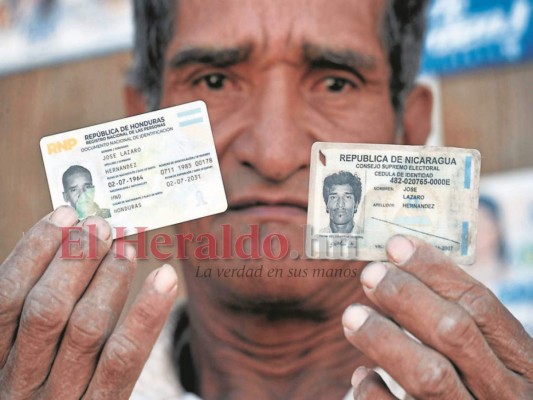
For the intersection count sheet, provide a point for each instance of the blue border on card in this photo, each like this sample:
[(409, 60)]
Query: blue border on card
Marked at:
[(468, 171), (191, 122), (189, 112), (464, 239)]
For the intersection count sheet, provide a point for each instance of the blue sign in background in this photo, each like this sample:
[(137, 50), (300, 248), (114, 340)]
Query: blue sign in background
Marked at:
[(471, 34)]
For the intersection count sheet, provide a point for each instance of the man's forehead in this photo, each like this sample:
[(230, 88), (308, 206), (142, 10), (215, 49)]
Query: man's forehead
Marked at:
[(345, 188), (274, 26), (78, 176)]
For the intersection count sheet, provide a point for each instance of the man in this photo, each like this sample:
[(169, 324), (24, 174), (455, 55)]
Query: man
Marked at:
[(78, 191), (342, 195), (277, 76)]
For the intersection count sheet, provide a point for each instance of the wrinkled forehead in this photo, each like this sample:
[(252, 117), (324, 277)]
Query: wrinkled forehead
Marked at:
[(280, 28)]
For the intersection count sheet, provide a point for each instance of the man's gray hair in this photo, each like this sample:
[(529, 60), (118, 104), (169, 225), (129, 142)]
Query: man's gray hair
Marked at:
[(402, 36)]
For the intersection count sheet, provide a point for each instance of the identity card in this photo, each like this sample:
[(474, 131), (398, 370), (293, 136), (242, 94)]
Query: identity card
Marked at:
[(145, 171), (362, 194)]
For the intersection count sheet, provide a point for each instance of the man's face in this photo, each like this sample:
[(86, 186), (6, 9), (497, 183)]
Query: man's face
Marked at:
[(341, 204), (79, 188), (277, 76)]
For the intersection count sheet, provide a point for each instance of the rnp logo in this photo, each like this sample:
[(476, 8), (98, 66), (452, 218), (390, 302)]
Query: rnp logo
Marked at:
[(65, 145)]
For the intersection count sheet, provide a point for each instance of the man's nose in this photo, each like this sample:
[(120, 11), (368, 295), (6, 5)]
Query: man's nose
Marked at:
[(81, 191), (275, 143)]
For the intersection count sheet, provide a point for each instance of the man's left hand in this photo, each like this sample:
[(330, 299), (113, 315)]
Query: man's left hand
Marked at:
[(470, 345)]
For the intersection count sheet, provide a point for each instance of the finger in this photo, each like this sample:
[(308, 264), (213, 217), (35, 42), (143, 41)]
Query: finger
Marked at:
[(368, 385), (23, 268), (48, 307), (502, 330), (421, 371), (129, 346), (90, 325), (443, 325)]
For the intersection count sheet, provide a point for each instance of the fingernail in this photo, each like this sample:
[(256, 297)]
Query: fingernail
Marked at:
[(64, 216), (358, 375), (373, 274), (124, 250), (101, 227), (165, 279), (130, 252), (354, 317), (400, 249)]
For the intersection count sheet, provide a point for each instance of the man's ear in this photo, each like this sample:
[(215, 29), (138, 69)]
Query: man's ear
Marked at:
[(65, 197), (417, 116), (133, 101)]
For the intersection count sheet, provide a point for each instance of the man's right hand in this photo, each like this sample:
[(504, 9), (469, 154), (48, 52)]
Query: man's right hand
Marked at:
[(58, 315)]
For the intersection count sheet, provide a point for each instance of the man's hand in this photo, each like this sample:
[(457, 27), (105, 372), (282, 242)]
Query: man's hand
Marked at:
[(470, 344), (57, 315)]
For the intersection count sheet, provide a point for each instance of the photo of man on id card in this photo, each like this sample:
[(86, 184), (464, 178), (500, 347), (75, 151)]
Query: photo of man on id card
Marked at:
[(79, 192), (342, 195)]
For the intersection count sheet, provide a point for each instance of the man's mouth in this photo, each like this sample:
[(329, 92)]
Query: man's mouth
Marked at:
[(269, 208), (244, 206)]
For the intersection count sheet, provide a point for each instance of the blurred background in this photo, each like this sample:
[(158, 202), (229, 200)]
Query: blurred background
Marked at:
[(62, 66)]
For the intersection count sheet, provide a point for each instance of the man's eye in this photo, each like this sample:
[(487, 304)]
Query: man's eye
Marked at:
[(336, 84), (212, 81), (333, 197)]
